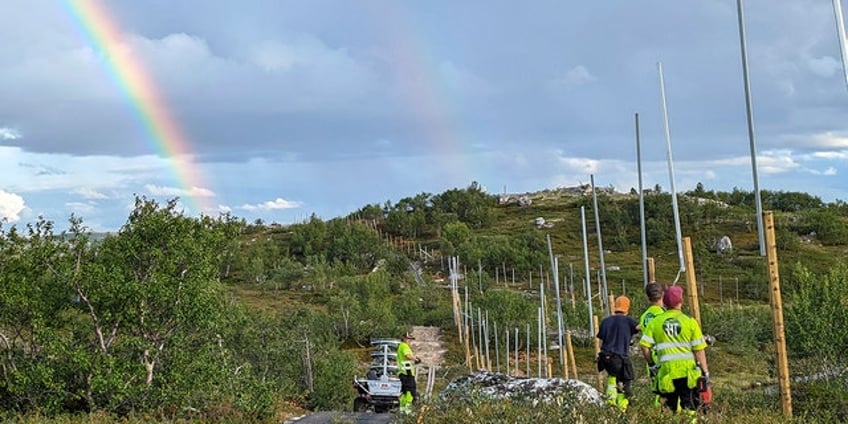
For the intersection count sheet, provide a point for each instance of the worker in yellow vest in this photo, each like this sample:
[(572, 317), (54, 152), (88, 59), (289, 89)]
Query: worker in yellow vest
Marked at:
[(654, 293), (680, 358), (406, 361)]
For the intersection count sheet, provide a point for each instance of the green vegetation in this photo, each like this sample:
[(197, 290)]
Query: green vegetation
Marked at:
[(177, 319)]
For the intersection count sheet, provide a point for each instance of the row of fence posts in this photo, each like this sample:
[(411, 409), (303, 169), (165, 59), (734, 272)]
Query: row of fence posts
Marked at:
[(475, 335)]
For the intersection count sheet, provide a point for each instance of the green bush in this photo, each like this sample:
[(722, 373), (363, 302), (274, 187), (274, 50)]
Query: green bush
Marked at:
[(738, 329), (816, 314), (825, 400)]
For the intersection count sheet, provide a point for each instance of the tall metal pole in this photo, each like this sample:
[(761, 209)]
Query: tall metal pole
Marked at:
[(750, 116), (517, 364), (480, 275), (527, 356), (641, 208), (506, 350), (555, 269), (677, 231), (560, 323), (497, 350), (486, 340), (588, 274), (539, 344), (605, 297), (543, 327), (480, 338), (571, 277), (840, 31)]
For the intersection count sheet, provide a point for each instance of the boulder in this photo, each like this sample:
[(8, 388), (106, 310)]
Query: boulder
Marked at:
[(567, 392), (724, 245)]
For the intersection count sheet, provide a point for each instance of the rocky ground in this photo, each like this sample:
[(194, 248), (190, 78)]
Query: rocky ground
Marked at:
[(428, 346), (500, 386)]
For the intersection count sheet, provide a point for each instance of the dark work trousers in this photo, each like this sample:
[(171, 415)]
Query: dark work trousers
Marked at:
[(689, 398), (619, 367), (407, 384)]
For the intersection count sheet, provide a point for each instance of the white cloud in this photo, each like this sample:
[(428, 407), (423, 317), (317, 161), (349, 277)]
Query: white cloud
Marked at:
[(776, 162), (576, 76), (224, 209), (277, 204), (843, 155), (584, 165), (89, 193), (163, 191), (177, 191), (81, 208), (277, 57), (829, 171), (7, 133), (822, 140), (11, 206), (200, 192), (311, 73), (830, 140), (825, 66), (731, 161)]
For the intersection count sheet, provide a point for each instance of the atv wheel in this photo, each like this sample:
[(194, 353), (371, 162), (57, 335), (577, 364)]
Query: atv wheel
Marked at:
[(360, 405)]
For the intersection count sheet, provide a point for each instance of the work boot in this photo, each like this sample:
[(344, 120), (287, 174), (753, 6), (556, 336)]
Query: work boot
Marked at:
[(612, 391), (622, 402), (693, 416), (405, 403)]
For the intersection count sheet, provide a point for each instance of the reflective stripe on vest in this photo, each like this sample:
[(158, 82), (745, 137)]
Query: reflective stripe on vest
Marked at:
[(406, 366), (675, 357), (674, 336)]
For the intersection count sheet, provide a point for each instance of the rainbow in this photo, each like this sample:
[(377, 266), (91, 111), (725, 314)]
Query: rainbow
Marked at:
[(427, 96), (100, 30)]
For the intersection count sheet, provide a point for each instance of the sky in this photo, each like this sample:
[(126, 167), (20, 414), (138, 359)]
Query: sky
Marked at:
[(277, 109)]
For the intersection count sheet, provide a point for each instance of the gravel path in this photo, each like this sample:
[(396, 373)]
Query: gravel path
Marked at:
[(428, 346)]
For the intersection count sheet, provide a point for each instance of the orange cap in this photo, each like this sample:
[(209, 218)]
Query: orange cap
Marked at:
[(622, 304)]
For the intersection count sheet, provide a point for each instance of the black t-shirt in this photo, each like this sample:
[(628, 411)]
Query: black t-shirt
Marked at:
[(616, 332)]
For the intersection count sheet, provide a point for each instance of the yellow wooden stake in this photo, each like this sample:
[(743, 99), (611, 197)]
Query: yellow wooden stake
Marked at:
[(692, 284), (571, 353), (652, 270), (468, 350), (776, 301), (601, 384)]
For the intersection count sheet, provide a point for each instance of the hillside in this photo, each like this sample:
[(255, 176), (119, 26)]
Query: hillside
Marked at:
[(175, 318), (505, 248)]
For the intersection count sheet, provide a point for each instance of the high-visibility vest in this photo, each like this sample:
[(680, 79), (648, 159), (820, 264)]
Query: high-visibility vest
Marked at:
[(405, 366), (652, 312), (675, 337), (649, 314)]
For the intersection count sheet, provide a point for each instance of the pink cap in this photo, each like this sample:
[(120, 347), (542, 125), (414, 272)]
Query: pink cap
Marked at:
[(673, 296)]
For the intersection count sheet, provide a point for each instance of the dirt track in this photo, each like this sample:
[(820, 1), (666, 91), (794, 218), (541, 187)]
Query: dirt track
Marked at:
[(428, 346)]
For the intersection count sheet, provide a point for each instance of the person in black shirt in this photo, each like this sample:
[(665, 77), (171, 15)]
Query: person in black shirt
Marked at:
[(615, 334)]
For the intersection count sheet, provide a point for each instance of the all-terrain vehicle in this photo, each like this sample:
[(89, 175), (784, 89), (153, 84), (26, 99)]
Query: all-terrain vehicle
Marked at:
[(379, 390)]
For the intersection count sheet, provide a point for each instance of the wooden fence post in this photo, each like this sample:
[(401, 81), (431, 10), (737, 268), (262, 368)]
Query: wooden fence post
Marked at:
[(777, 315), (692, 284)]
